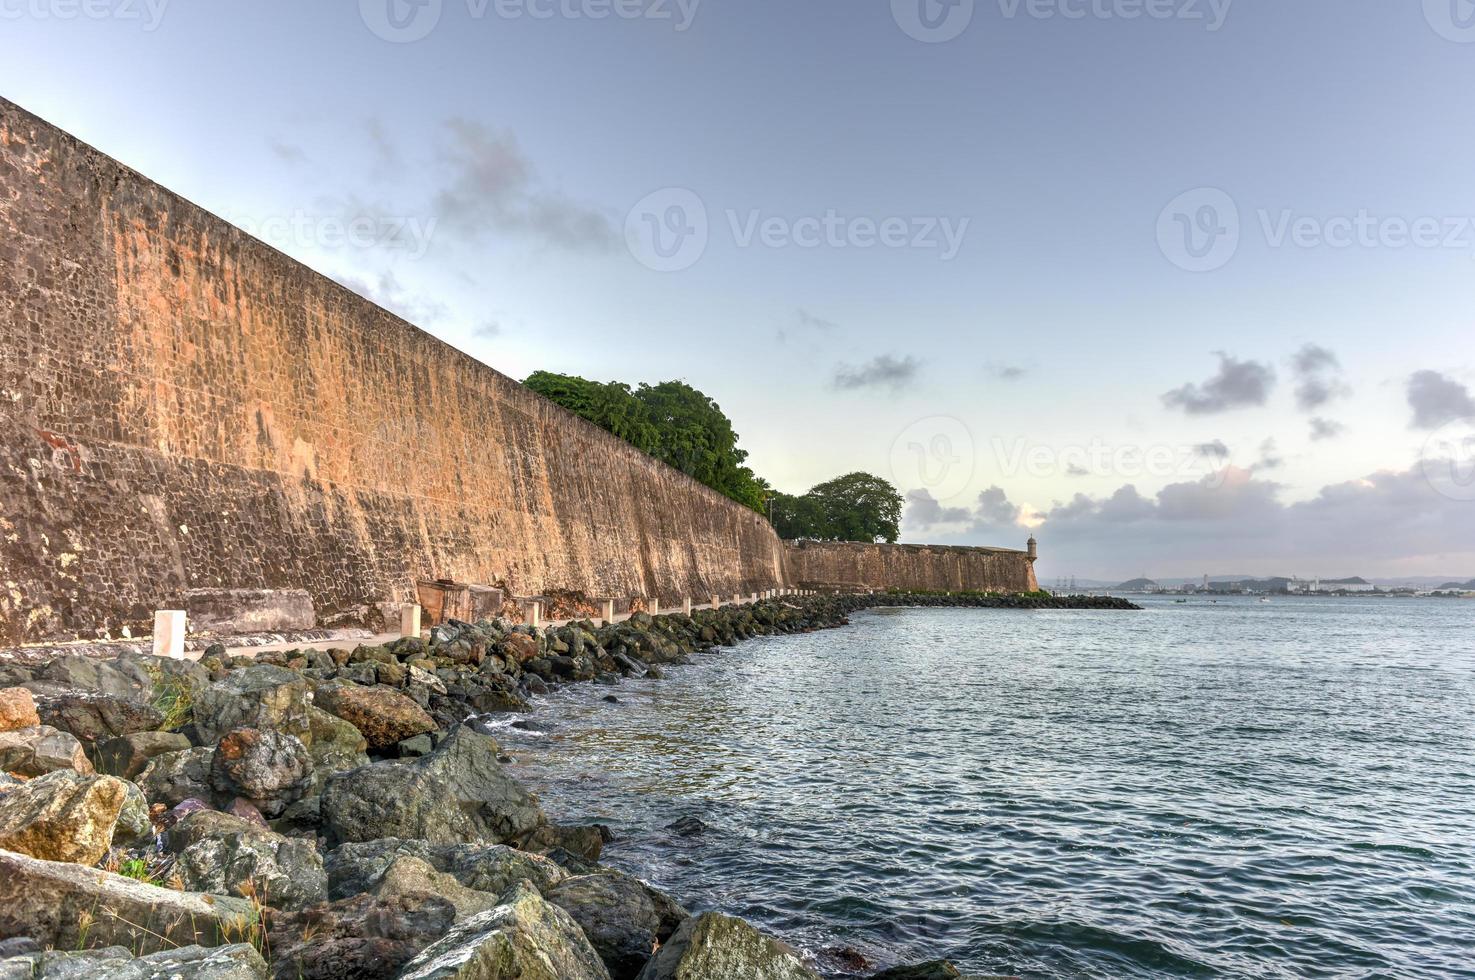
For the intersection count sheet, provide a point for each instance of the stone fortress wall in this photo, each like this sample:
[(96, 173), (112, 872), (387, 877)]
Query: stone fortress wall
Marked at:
[(922, 567), (182, 407)]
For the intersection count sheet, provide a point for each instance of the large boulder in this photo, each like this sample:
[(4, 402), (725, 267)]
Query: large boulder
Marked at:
[(360, 938), (492, 868), (385, 717), (128, 755), (174, 777), (719, 947), (522, 938), (622, 916), (67, 906), (238, 962), (456, 793), (225, 855), (267, 768), (94, 717), (261, 696), (17, 709), (62, 816), (41, 749), (411, 877), (75, 671), (336, 745)]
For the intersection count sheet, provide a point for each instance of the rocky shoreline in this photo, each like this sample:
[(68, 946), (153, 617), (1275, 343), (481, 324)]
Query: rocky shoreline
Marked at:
[(324, 814)]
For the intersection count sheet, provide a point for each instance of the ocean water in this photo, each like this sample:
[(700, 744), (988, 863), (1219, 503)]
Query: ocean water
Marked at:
[(1231, 789)]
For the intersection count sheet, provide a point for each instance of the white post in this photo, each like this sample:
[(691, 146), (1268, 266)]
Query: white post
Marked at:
[(655, 607), (409, 620), (609, 611), (169, 625), (535, 615), (716, 602), (754, 597), (737, 599), (686, 606)]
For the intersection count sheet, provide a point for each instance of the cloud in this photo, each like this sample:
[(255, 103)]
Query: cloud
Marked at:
[(994, 509), (387, 292), (289, 152), (1322, 429), (1316, 370), (487, 330), (809, 323), (1076, 469), (1212, 450), (1005, 372), (1238, 384), (923, 511), (1437, 399), (386, 155), (493, 187), (1270, 458), (1236, 521), (884, 371)]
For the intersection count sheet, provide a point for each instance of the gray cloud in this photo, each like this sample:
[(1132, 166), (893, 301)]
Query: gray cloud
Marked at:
[(808, 323), (494, 187), (487, 330), (1316, 370), (1238, 384), (1076, 469), (884, 371), (923, 512), (388, 292), (1322, 429), (1005, 372), (1436, 399), (290, 152), (1270, 458), (386, 155), (1212, 450)]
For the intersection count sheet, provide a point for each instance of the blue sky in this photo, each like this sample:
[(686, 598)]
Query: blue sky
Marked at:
[(953, 256)]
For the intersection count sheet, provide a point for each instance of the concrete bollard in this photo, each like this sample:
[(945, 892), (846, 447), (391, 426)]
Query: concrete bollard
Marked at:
[(754, 598), (535, 614), (686, 606), (609, 611), (655, 607), (716, 602), (169, 627), (737, 599), (409, 620)]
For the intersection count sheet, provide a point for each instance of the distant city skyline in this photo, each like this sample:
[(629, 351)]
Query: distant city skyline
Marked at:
[(1170, 286)]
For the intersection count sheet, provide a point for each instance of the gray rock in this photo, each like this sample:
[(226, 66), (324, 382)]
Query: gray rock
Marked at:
[(457, 793), (93, 717), (363, 938), (224, 855), (492, 868), (67, 906), (622, 916), (270, 769), (720, 947), (260, 696), (931, 970), (134, 828), (411, 877), (523, 937), (336, 746), (41, 749), (127, 755), (174, 777), (78, 672), (237, 962)]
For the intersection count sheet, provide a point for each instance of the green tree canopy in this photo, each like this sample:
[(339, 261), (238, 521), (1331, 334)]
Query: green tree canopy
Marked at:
[(853, 507), (671, 421)]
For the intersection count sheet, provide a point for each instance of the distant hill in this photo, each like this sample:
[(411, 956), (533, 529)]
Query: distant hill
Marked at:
[(1458, 586), (1137, 585)]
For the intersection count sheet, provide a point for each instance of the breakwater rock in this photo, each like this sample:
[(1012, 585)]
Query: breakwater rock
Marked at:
[(335, 813)]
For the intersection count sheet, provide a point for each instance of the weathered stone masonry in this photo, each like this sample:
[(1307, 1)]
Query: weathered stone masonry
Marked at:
[(925, 567), (183, 407)]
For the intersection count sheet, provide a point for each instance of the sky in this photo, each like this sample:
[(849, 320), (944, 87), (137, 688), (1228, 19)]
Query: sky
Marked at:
[(1177, 286)]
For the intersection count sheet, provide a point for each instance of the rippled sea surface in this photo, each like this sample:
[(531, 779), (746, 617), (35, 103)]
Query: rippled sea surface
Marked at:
[(1244, 788)]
